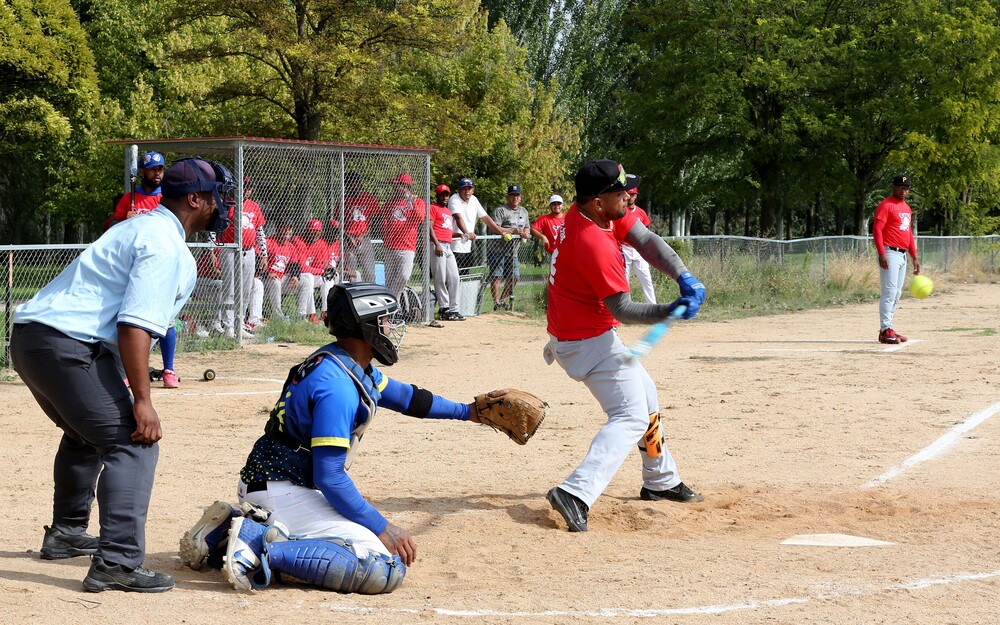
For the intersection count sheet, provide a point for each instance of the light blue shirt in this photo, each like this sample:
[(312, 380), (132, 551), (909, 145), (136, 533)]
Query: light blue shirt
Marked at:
[(139, 273)]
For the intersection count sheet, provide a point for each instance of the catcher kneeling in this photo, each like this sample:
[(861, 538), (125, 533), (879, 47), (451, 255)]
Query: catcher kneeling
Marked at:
[(300, 513)]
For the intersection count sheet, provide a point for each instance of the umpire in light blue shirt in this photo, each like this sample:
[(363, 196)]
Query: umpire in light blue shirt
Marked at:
[(119, 293)]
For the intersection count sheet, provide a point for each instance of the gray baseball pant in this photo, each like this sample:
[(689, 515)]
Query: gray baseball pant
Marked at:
[(627, 395), (79, 388)]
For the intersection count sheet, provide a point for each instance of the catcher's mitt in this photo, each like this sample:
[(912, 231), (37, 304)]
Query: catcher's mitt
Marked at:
[(514, 412)]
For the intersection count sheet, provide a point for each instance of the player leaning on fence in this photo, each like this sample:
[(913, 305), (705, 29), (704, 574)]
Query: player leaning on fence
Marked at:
[(588, 300), (120, 292)]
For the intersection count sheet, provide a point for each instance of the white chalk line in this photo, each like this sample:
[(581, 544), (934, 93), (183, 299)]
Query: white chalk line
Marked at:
[(937, 447), (708, 609), (890, 348), (172, 392)]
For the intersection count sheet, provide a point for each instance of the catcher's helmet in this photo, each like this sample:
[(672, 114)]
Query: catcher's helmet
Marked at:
[(366, 311)]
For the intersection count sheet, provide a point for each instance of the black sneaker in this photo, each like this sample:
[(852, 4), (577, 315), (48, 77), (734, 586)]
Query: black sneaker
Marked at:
[(570, 507), (104, 576), (680, 493), (57, 546)]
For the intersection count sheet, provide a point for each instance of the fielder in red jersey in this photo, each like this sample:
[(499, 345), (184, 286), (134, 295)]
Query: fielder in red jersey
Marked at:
[(893, 234), (588, 299)]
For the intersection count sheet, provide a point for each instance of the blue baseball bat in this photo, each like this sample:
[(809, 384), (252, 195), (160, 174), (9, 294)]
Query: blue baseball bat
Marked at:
[(656, 332)]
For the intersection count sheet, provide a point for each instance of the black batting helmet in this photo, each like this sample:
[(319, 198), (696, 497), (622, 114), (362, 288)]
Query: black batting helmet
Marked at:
[(366, 311)]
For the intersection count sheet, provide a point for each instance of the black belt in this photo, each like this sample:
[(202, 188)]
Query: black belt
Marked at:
[(256, 487), (901, 250)]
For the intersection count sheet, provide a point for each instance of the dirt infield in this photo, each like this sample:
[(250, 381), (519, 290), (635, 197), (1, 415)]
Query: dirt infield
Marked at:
[(794, 424)]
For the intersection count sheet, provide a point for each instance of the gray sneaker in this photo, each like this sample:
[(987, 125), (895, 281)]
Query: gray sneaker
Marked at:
[(104, 576), (58, 546)]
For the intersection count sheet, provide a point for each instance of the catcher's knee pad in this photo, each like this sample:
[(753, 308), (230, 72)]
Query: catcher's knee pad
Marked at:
[(333, 564)]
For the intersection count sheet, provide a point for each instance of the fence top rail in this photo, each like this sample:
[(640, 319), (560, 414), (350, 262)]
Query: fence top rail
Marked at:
[(854, 237), (226, 144)]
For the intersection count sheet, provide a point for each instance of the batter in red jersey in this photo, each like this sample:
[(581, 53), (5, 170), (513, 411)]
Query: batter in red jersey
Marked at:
[(547, 227), (894, 239), (588, 299)]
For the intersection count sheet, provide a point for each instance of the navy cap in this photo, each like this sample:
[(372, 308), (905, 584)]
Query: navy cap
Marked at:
[(514, 189), (465, 182), (150, 160), (603, 176), (181, 178), (901, 181)]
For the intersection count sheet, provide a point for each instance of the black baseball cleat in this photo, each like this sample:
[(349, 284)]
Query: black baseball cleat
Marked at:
[(105, 576), (58, 546), (680, 493), (572, 509)]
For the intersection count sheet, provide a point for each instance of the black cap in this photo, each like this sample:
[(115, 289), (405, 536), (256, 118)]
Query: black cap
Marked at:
[(603, 176), (181, 178), (514, 189), (901, 181)]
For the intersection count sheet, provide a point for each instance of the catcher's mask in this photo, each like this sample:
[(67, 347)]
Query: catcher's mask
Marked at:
[(223, 188), (365, 311)]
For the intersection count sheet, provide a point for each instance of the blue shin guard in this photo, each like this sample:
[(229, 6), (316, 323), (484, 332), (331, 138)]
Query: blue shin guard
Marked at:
[(332, 564)]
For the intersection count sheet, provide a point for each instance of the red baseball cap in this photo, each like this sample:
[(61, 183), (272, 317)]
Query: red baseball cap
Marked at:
[(403, 179), (315, 224), (442, 188)]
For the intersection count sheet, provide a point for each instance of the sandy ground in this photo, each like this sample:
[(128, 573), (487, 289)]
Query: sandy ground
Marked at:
[(783, 423)]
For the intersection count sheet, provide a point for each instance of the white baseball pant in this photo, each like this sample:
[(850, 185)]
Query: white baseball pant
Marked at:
[(306, 513), (633, 260), (256, 308), (227, 295), (892, 286), (627, 395), (273, 289)]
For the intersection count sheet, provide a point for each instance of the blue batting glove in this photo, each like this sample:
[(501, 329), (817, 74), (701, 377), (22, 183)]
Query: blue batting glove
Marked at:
[(692, 294)]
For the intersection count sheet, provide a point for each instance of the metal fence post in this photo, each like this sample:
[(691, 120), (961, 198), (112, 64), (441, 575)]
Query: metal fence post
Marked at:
[(8, 307)]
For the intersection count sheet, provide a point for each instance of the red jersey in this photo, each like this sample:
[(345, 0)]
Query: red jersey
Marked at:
[(253, 218), (358, 213), (402, 220), (587, 267), (279, 256), (892, 226), (550, 225), (143, 203), (333, 254), (313, 256), (441, 221)]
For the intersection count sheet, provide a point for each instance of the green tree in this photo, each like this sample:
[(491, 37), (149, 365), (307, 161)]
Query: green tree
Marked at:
[(48, 93)]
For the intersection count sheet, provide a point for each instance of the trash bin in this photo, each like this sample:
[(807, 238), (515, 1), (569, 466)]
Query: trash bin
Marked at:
[(470, 299)]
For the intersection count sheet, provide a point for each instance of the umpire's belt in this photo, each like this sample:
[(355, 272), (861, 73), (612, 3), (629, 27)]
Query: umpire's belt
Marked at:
[(901, 250)]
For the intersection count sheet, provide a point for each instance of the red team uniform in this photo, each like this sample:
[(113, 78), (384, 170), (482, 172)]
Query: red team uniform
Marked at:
[(576, 300), (359, 211), (402, 220), (280, 255), (143, 203), (442, 220), (892, 226), (253, 218), (550, 225)]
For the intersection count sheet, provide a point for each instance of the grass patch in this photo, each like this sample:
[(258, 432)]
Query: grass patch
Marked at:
[(974, 331)]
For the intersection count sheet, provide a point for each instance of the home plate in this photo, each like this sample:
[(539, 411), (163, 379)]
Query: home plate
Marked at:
[(833, 540)]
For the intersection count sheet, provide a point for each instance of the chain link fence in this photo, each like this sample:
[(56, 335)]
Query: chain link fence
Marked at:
[(28, 268)]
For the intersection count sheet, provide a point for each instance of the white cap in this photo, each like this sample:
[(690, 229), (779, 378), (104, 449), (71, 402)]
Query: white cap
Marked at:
[(556, 198)]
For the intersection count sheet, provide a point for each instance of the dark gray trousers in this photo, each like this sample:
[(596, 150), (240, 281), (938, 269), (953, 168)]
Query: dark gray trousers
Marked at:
[(79, 387)]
